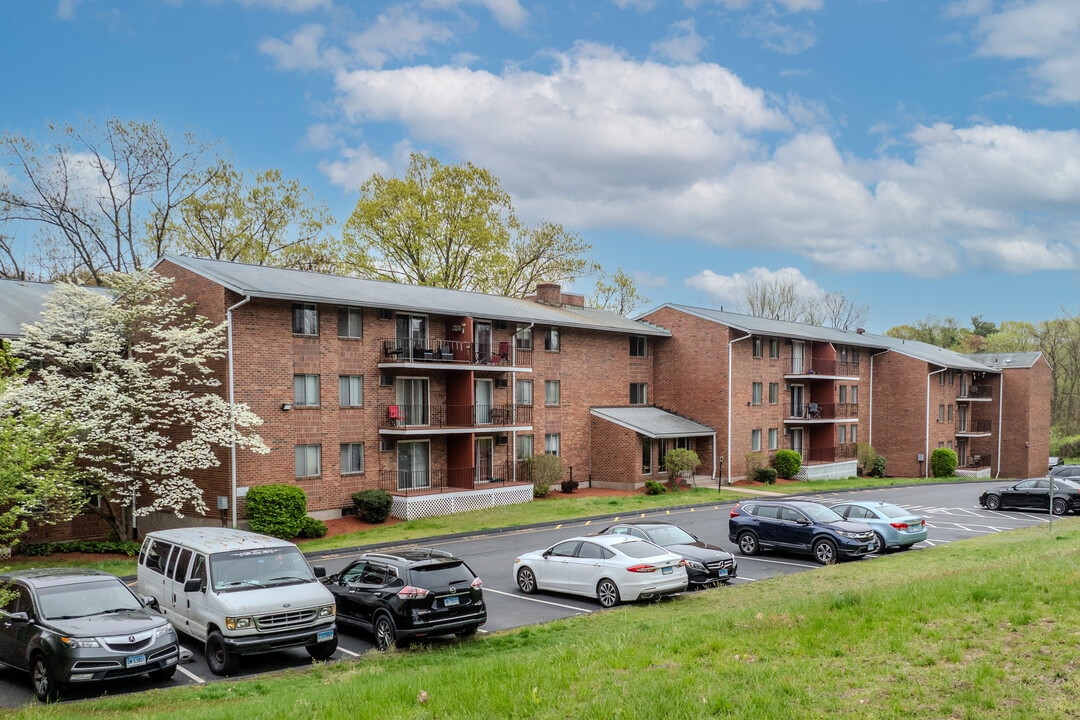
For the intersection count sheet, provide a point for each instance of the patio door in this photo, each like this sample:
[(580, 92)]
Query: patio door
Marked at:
[(413, 464), (485, 450), (798, 407), (482, 341), (412, 400), (798, 361), (797, 442), (411, 332), (482, 400)]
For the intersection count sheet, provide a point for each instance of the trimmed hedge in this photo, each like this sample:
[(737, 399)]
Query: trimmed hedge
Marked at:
[(943, 462), (373, 506), (654, 487), (765, 475), (111, 547), (787, 463), (276, 510), (312, 528)]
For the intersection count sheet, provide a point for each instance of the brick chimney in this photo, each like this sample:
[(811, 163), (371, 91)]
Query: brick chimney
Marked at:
[(549, 292)]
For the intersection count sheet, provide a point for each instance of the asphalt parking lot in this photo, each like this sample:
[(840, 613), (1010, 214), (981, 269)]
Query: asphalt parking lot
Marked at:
[(952, 513)]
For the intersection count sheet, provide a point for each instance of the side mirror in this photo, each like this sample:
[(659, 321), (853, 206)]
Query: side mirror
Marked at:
[(803, 521), (19, 617), (547, 553), (319, 570), (150, 601), (193, 585)]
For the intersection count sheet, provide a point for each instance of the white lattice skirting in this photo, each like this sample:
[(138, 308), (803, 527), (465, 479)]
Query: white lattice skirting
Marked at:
[(829, 471), (420, 506)]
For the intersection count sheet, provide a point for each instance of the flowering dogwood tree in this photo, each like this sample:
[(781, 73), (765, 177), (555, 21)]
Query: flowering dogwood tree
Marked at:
[(133, 375)]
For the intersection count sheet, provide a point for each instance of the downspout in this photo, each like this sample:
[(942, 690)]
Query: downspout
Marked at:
[(870, 421), (232, 413), (1001, 403), (926, 452), (729, 388)]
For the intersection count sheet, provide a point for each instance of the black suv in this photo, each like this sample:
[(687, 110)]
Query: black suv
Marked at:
[(803, 527), (402, 595), (706, 565), (69, 626)]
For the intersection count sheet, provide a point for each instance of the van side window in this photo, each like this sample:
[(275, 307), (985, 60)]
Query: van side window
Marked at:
[(198, 569), (180, 571), (172, 562), (155, 553)]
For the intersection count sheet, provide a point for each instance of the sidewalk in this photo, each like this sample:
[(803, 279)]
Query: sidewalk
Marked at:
[(704, 481)]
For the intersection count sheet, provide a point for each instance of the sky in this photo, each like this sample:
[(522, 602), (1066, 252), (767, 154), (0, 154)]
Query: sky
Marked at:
[(918, 157)]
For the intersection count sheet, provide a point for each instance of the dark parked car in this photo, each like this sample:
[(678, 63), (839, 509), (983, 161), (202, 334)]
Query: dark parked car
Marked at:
[(706, 565), (1034, 494), (406, 594), (69, 626), (1065, 471), (802, 527)]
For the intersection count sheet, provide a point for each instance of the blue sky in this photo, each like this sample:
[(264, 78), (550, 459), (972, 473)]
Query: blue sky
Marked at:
[(918, 157)]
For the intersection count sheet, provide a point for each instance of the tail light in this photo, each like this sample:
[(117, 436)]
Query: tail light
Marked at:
[(641, 568), (412, 593), (476, 584), (899, 525), (735, 511)]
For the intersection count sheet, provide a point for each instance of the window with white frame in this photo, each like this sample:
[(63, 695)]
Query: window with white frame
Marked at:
[(757, 346), (841, 434), (639, 393), (772, 438), (950, 407), (774, 348), (854, 394), (853, 434), (351, 390), (350, 322), (755, 440), (308, 460), (941, 413), (646, 456), (352, 458), (305, 390), (755, 393), (774, 393), (523, 337), (551, 443), (524, 392), (524, 446), (305, 319), (843, 394), (551, 339), (638, 346), (551, 392)]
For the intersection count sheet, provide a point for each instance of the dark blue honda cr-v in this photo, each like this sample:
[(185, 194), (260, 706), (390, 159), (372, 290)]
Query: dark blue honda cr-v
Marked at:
[(795, 526)]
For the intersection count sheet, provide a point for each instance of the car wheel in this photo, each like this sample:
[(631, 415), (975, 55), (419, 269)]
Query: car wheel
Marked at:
[(385, 632), (748, 544), (526, 580), (323, 650), (162, 673), (1060, 507), (993, 502), (218, 657), (825, 551), (45, 686), (607, 592), (882, 548)]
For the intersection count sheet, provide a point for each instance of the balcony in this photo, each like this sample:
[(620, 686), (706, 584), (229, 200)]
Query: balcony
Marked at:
[(454, 352), (829, 368), (455, 417), (836, 453), (447, 480), (974, 428), (976, 392), (823, 411)]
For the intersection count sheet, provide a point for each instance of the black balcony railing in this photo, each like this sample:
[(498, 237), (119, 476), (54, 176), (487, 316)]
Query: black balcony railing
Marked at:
[(423, 482), (455, 416), (820, 366), (461, 352), (843, 451), (977, 460), (825, 411), (975, 426), (977, 392)]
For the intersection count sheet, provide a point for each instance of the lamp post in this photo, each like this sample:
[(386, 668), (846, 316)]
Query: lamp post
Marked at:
[(720, 474)]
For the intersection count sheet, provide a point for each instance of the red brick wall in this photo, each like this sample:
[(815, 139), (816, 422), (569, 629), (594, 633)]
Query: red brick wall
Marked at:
[(1025, 420)]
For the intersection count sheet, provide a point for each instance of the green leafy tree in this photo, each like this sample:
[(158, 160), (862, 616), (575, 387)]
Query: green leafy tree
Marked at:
[(620, 295), (453, 226), (680, 464), (133, 378), (945, 333), (269, 221)]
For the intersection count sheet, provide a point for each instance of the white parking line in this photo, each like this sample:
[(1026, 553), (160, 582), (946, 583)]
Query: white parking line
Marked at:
[(778, 562), (348, 652), (190, 674), (536, 600)]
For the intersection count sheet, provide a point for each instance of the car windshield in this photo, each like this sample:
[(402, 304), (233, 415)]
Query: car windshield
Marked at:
[(94, 597), (670, 535), (265, 567), (820, 513), (891, 511), (639, 549)]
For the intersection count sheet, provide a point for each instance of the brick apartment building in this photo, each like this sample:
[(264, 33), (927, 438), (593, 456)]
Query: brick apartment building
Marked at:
[(436, 395)]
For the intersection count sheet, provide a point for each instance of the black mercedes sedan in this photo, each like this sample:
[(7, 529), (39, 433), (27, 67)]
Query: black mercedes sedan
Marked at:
[(1034, 494)]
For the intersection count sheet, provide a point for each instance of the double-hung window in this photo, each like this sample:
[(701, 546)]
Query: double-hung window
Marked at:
[(638, 346), (525, 392), (351, 390), (551, 443), (757, 346), (551, 392), (755, 440), (352, 458), (524, 446), (639, 393), (305, 319), (551, 339), (350, 322), (774, 393), (308, 460), (755, 393), (305, 390)]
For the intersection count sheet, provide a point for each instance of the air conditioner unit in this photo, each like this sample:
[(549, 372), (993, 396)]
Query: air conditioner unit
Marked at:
[(500, 382), (385, 314), (386, 380), (500, 324), (386, 446), (501, 440)]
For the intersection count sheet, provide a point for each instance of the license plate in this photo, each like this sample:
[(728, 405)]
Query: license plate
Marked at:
[(452, 600), (722, 572), (324, 635), (135, 661), (668, 570)]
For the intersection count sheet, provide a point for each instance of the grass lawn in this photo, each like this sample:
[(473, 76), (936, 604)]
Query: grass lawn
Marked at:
[(982, 628)]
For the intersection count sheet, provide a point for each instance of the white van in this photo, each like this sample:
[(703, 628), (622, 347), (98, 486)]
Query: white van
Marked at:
[(239, 592)]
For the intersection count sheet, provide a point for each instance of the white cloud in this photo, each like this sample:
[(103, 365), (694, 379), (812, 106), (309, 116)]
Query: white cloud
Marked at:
[(682, 44), (302, 51), (65, 9), (729, 291), (508, 13), (289, 6), (354, 166)]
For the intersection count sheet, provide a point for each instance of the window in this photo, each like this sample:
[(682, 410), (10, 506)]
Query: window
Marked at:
[(757, 346), (854, 394), (950, 413), (524, 392), (774, 393), (639, 393), (551, 443), (772, 438), (352, 458), (774, 348), (524, 446), (755, 393), (523, 337), (350, 322), (638, 347), (305, 319), (941, 413), (843, 393), (854, 435), (308, 460), (646, 456), (551, 392), (841, 434), (351, 390), (755, 440), (551, 339), (305, 390)]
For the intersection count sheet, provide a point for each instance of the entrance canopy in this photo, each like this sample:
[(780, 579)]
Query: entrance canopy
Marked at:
[(653, 422)]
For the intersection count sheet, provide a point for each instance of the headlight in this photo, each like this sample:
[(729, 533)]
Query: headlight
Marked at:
[(164, 631), (852, 535), (327, 610), (238, 623), (695, 564), (80, 642)]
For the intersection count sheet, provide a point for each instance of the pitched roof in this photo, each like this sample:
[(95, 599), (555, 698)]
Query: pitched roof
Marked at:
[(22, 302), (652, 422), (301, 286), (1003, 361), (802, 331)]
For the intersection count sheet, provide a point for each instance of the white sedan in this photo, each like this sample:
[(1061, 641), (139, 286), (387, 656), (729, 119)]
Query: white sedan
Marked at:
[(610, 568)]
